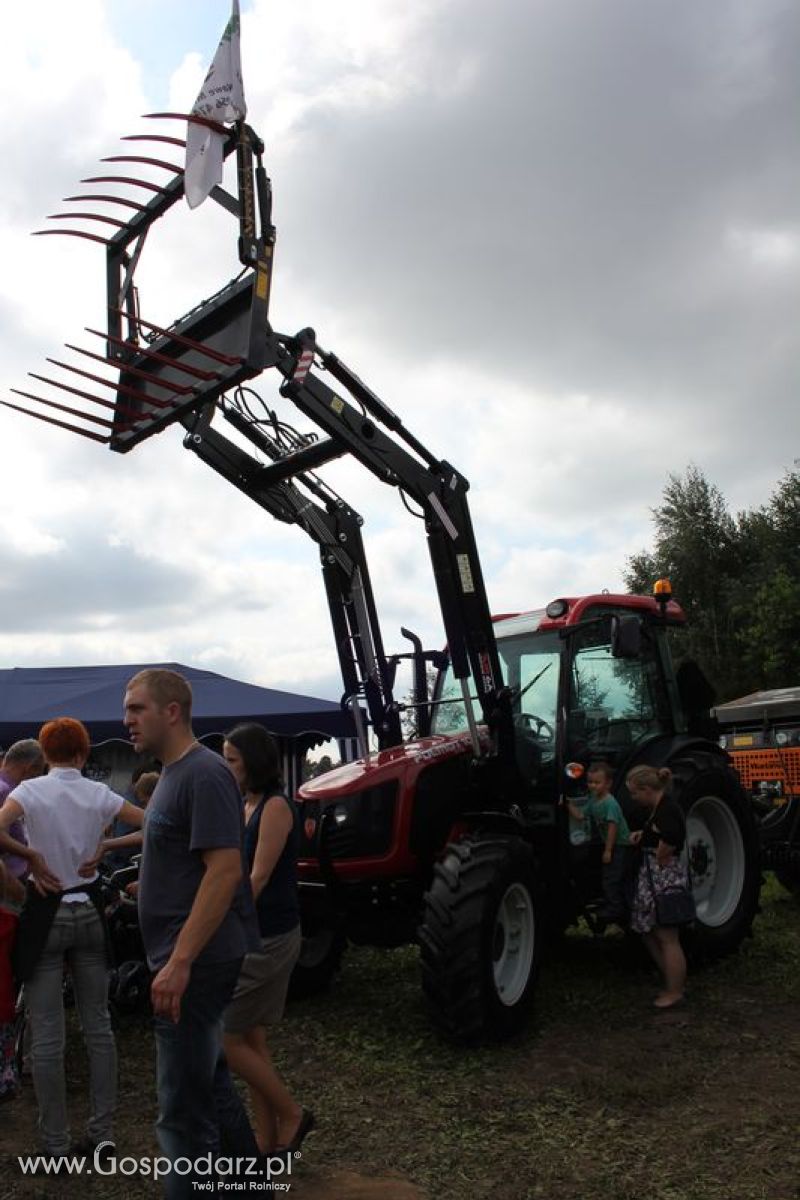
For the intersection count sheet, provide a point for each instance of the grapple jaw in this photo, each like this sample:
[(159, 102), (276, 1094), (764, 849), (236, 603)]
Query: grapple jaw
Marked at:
[(162, 374)]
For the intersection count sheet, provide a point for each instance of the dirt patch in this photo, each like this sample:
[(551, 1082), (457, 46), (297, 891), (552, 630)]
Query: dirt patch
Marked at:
[(347, 1185), (602, 1099), (709, 1092)]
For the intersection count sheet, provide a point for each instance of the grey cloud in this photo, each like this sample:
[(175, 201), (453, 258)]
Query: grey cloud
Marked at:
[(565, 214), (71, 589)]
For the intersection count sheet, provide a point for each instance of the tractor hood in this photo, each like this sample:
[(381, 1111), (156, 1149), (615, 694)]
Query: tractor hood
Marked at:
[(406, 760)]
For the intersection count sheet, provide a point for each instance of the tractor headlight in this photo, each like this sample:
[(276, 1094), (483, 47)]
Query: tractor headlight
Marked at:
[(361, 824)]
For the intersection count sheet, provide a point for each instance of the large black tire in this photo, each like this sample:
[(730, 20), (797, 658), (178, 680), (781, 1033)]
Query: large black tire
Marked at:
[(723, 849), (479, 938), (320, 958)]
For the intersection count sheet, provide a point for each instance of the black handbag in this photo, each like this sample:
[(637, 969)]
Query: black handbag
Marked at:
[(674, 905)]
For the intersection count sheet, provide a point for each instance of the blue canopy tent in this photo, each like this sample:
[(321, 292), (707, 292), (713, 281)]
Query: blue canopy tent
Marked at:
[(29, 696)]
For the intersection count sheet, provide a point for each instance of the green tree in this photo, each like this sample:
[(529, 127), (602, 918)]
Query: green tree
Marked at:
[(768, 609), (410, 714), (320, 767), (696, 547), (736, 578)]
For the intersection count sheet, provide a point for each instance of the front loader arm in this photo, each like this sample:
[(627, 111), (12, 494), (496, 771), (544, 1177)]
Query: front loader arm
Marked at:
[(441, 492), (336, 530)]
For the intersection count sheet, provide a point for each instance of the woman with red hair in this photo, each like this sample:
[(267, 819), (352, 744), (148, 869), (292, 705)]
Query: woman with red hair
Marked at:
[(65, 815)]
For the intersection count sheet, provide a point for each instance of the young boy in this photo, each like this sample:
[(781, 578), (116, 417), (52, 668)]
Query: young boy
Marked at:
[(604, 811)]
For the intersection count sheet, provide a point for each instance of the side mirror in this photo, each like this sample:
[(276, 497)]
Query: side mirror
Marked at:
[(626, 636)]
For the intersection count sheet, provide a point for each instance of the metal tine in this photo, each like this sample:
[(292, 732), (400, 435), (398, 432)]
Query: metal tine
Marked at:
[(91, 237), (192, 118), (139, 158), (142, 183), (122, 388), (108, 200), (228, 360), (153, 137), (177, 389), (87, 217), (87, 433), (166, 359), (73, 412), (136, 416)]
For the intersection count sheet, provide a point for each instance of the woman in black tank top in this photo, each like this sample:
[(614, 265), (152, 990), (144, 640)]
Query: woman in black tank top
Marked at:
[(271, 840)]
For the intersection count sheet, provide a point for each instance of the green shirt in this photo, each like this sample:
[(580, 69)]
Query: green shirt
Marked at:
[(605, 812)]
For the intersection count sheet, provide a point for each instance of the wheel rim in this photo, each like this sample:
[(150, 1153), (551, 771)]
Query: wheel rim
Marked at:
[(315, 947), (716, 859), (513, 942)]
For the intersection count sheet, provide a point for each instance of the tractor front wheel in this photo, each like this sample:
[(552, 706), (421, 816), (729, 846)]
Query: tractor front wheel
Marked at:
[(480, 938), (320, 958)]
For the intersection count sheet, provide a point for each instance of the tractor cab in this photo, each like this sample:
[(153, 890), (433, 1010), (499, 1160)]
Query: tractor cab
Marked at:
[(590, 678)]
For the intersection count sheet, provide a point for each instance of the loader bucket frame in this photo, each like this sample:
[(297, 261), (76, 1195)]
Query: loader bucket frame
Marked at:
[(165, 373)]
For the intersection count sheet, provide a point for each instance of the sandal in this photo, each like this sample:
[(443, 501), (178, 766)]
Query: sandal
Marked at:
[(307, 1123)]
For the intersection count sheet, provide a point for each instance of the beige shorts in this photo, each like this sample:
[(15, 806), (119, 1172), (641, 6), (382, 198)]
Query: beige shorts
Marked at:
[(260, 995)]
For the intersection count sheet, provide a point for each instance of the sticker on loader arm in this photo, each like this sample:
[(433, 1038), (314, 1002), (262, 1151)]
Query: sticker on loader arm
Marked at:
[(304, 364), (442, 514), (465, 572)]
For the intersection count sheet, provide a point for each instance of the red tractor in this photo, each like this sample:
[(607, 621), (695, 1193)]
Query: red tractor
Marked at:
[(459, 839), (433, 841)]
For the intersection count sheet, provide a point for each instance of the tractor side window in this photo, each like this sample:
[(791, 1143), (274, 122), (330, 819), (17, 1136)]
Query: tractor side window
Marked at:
[(614, 702), (530, 664), (531, 667), (449, 713)]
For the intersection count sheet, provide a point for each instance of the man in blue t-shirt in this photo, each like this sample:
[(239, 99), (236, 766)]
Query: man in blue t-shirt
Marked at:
[(197, 921)]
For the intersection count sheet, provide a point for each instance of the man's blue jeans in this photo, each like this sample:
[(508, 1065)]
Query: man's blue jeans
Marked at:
[(200, 1111)]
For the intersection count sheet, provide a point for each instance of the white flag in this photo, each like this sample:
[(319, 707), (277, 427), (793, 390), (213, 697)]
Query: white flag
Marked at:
[(221, 98)]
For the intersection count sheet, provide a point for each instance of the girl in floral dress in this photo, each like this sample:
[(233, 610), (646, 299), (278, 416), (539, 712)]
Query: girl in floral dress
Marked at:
[(661, 842)]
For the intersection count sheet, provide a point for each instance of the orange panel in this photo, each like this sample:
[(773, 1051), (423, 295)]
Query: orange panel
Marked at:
[(783, 765)]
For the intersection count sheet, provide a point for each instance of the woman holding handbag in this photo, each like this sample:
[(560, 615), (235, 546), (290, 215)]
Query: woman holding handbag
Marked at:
[(662, 896)]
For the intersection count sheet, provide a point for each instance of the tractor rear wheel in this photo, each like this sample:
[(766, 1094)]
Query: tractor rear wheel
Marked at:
[(723, 852), (480, 938)]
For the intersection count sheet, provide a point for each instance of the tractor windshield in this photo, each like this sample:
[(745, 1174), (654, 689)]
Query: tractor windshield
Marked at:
[(530, 667), (614, 703)]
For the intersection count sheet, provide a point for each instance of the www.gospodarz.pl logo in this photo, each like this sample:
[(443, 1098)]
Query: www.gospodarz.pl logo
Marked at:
[(210, 1173)]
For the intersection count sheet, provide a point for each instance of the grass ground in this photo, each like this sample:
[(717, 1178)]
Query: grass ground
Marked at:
[(600, 1099)]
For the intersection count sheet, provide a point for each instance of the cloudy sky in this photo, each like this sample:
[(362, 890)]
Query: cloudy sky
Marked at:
[(559, 237)]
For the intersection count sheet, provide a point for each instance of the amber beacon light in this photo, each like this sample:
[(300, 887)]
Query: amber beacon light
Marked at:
[(662, 592)]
